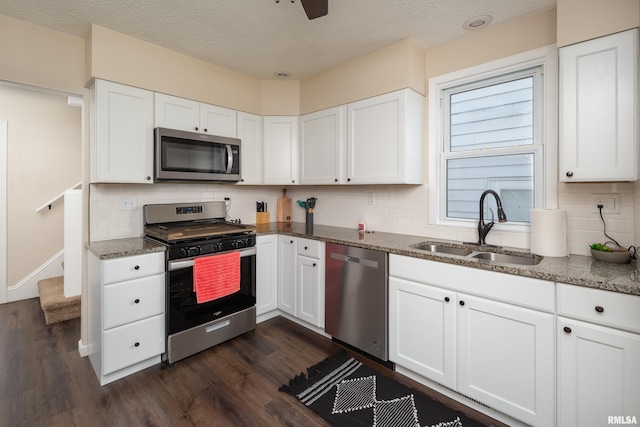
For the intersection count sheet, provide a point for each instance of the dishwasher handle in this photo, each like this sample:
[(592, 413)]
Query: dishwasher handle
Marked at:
[(362, 261)]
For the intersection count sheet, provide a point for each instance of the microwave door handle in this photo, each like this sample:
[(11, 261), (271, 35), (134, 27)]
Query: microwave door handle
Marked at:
[(229, 159)]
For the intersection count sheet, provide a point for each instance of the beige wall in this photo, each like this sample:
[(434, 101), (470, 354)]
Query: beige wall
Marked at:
[(44, 158), (520, 35), (124, 59), (580, 20), (395, 67), (36, 56)]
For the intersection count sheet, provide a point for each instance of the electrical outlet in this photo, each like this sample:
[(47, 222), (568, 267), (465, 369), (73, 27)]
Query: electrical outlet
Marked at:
[(610, 203), (371, 198), (128, 203)]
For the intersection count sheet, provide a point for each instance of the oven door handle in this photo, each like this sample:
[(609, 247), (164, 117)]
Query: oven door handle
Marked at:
[(188, 263)]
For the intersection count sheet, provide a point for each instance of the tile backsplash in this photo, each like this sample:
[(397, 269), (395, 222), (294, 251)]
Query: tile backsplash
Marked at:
[(399, 209)]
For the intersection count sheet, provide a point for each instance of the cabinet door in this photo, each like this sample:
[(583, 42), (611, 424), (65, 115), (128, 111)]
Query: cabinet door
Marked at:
[(310, 281), (172, 112), (385, 143), (598, 374), (122, 146), (280, 150), (599, 109), (216, 120), (422, 329), (287, 274), (250, 134), (322, 146), (266, 273), (506, 358)]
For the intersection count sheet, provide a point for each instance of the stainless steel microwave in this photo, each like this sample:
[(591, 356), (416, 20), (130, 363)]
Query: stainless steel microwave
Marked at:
[(190, 156)]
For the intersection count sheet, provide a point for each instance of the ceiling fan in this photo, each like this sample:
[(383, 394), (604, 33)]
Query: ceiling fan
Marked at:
[(314, 8)]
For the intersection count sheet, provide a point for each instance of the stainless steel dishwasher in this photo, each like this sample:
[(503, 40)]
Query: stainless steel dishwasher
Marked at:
[(356, 295)]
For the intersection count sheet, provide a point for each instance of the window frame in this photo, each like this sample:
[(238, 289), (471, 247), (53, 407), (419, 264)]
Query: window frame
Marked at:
[(546, 174)]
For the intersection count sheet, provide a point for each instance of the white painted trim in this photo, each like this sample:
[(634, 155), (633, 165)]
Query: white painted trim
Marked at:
[(83, 349), (545, 56), (73, 247), (3, 211), (28, 287)]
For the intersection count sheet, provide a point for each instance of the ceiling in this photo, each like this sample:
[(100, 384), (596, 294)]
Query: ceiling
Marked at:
[(262, 37)]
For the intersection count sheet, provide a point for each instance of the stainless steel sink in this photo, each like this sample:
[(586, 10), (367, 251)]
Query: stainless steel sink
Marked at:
[(501, 258), (450, 250), (506, 258)]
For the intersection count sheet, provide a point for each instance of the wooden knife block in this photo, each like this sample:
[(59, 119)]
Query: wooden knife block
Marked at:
[(262, 218)]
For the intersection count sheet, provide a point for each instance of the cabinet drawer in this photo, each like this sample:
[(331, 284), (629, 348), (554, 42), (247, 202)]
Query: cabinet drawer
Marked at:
[(310, 248), (132, 343), (133, 267), (601, 307), (126, 302)]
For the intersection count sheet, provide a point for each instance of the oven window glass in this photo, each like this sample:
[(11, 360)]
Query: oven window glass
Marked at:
[(186, 313), (179, 155)]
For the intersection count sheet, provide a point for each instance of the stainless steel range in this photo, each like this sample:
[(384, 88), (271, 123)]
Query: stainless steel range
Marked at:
[(201, 248)]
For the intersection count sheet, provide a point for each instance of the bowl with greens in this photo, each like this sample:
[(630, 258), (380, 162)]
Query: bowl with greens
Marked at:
[(604, 253)]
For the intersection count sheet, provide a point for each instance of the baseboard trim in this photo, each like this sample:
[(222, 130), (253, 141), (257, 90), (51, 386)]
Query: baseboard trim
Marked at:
[(28, 287), (83, 349)]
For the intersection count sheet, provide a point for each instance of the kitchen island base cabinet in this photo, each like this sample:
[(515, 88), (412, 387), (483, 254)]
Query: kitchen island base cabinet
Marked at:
[(483, 334), (126, 314)]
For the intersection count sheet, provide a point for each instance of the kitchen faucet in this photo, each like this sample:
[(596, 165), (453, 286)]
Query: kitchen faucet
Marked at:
[(483, 229)]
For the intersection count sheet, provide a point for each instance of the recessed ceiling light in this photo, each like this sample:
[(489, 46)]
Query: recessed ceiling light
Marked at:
[(282, 74), (477, 22)]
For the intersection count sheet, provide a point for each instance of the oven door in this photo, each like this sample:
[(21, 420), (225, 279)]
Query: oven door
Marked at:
[(183, 310), (188, 156)]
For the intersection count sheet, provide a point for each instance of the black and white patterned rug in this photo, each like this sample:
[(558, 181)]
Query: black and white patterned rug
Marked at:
[(347, 393)]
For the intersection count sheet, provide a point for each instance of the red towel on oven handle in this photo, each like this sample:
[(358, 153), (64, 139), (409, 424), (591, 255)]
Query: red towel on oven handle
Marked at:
[(216, 276)]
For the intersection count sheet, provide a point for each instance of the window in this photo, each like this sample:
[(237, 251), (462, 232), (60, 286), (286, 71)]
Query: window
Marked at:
[(487, 132)]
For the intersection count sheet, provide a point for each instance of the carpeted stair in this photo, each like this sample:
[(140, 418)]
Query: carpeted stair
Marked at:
[(57, 307)]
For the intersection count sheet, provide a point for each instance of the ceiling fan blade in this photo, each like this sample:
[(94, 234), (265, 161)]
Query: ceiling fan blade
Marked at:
[(315, 8)]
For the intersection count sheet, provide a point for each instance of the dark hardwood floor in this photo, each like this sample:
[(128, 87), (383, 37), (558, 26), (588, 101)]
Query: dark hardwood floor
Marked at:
[(44, 381)]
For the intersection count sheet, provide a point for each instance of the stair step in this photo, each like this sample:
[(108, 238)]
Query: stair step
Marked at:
[(57, 307)]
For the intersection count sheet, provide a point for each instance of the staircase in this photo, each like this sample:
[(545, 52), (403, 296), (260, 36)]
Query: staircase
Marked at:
[(57, 307)]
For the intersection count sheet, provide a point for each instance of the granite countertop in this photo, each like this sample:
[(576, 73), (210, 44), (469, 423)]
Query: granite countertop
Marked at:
[(117, 248), (575, 269)]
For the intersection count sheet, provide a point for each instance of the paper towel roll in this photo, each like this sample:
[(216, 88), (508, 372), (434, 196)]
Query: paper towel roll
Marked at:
[(549, 232)]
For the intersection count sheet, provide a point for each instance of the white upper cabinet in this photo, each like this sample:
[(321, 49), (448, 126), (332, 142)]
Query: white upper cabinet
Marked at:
[(122, 136), (379, 140), (323, 137), (280, 150), (599, 109), (385, 142), (250, 134), (173, 112)]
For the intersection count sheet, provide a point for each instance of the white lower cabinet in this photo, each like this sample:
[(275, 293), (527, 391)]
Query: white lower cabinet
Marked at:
[(301, 279), (505, 358), (126, 314), (598, 357), (310, 281), (266, 273), (431, 310), (486, 335), (287, 274)]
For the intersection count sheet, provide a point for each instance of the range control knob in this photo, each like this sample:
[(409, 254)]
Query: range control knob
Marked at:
[(192, 251)]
